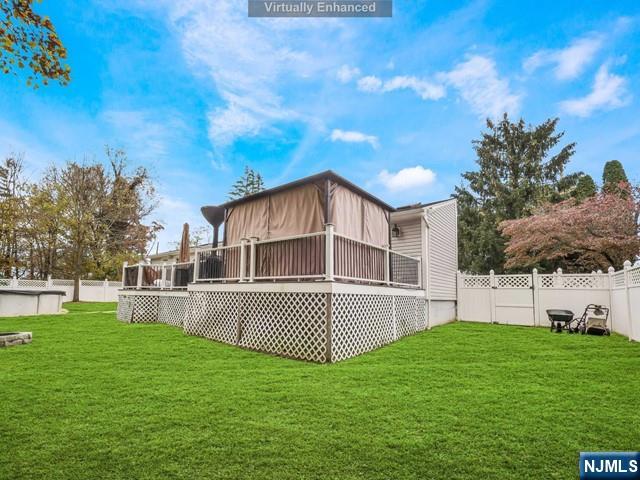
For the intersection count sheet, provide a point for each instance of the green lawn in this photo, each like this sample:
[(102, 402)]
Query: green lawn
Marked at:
[(94, 398)]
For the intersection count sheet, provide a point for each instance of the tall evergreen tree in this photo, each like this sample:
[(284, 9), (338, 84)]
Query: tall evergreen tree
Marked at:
[(516, 172), (614, 178), (250, 182), (585, 188)]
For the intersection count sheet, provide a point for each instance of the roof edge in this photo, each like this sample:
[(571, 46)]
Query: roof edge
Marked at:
[(417, 206), (327, 174)]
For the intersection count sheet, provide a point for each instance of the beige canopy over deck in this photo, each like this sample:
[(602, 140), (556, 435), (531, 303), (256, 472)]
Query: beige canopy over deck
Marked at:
[(305, 206)]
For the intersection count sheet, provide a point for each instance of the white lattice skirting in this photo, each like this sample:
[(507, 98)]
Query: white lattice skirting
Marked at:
[(149, 308), (308, 325)]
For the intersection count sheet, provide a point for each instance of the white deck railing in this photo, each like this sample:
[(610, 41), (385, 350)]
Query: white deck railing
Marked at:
[(174, 276), (322, 255)]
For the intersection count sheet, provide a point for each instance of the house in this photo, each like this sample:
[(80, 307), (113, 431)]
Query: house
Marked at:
[(429, 231), (172, 256), (316, 269)]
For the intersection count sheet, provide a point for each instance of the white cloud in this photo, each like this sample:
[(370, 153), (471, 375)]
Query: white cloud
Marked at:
[(338, 135), (479, 84), (407, 178), (147, 135), (248, 60), (570, 61), (370, 83), (609, 92), (423, 88), (346, 73), (232, 121), (476, 80)]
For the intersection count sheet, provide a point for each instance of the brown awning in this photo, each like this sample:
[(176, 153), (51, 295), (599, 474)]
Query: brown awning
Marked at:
[(300, 207), (291, 212)]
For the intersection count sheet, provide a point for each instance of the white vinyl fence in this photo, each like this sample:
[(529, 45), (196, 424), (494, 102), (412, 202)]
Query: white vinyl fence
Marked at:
[(524, 299), (90, 290)]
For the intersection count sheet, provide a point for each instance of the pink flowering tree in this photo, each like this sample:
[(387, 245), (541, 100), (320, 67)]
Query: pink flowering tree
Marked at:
[(599, 232)]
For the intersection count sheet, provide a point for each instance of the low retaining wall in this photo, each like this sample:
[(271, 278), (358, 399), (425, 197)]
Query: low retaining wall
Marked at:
[(319, 322)]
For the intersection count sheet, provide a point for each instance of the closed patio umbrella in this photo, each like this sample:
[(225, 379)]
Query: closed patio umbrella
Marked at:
[(183, 255)]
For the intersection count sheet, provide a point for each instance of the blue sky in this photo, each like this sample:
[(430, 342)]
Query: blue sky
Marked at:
[(194, 90)]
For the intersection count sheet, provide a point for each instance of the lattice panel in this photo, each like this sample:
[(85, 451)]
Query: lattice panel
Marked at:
[(634, 276), (213, 315), (360, 323), (125, 308), (421, 312), (476, 281), (172, 310), (92, 283), (406, 315), (5, 282), (580, 281), (513, 281), (546, 281), (32, 283), (289, 324), (145, 309)]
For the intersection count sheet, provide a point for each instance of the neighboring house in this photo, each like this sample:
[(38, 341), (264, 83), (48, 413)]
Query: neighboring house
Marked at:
[(317, 269), (172, 256)]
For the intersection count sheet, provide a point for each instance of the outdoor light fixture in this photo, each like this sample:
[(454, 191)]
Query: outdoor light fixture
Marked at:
[(395, 231)]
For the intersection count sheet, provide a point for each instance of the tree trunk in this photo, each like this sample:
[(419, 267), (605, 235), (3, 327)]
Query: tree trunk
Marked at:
[(76, 287), (76, 276)]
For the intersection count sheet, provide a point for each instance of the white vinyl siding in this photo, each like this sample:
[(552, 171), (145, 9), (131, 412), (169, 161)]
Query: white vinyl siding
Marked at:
[(443, 250), (410, 240)]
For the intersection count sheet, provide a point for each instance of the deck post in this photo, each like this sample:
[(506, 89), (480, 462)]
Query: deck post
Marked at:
[(328, 255), (243, 259), (387, 265), (139, 279), (196, 264), (163, 276), (329, 327), (124, 274), (173, 275), (252, 259)]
